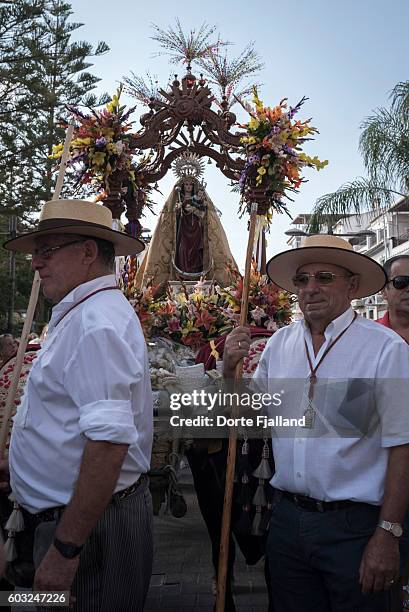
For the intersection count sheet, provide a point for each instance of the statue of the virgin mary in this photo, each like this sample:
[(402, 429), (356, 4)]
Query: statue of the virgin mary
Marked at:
[(189, 242)]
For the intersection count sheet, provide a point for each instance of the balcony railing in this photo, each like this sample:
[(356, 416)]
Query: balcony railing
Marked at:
[(398, 240)]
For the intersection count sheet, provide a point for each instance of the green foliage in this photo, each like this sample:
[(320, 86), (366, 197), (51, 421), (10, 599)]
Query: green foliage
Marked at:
[(384, 145), (42, 71)]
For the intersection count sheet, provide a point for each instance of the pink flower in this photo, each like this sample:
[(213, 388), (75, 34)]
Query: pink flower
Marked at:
[(173, 325), (272, 325)]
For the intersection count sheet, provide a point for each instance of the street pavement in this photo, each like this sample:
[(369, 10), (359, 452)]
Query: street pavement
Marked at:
[(183, 571)]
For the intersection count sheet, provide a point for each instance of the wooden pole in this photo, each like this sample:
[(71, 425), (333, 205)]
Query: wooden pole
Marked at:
[(231, 455), (5, 426)]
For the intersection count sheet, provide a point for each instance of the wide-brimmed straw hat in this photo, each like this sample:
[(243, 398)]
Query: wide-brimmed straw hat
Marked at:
[(76, 217), (327, 249)]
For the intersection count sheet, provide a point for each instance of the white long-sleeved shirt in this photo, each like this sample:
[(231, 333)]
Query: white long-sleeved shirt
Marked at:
[(90, 381), (362, 395)]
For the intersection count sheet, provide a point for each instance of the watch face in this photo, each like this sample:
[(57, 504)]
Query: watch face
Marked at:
[(397, 530)]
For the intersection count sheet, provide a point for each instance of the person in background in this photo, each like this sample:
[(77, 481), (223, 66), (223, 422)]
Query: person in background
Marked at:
[(8, 348), (396, 293)]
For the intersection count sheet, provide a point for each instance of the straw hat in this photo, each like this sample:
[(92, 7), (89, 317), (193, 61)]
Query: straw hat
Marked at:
[(76, 217), (327, 249)]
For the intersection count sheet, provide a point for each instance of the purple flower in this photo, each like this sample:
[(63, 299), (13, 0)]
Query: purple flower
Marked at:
[(100, 142)]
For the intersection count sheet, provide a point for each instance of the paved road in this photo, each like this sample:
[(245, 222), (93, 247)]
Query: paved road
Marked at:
[(182, 572)]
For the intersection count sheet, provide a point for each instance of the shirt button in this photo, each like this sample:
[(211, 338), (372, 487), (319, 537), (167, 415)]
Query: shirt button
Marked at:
[(298, 474), (299, 441)]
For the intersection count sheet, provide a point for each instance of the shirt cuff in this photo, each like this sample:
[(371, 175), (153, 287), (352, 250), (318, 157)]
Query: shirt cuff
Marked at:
[(109, 421), (391, 440)]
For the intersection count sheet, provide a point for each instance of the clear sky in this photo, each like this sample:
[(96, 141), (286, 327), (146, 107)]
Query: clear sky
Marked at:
[(345, 56)]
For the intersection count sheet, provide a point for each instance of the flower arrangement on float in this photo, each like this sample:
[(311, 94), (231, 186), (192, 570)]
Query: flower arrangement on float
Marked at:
[(275, 158), (100, 145), (193, 319)]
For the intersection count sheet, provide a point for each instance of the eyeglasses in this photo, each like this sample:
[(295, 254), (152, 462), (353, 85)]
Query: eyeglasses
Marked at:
[(400, 282), (47, 252), (322, 278)]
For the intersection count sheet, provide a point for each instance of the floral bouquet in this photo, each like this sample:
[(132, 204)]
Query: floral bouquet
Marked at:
[(101, 145), (269, 306), (196, 318), (189, 319), (275, 158)]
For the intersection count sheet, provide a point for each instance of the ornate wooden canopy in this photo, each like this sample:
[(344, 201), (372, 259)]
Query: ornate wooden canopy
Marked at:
[(182, 120)]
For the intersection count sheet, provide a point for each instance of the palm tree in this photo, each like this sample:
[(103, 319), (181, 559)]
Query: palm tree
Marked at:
[(384, 145)]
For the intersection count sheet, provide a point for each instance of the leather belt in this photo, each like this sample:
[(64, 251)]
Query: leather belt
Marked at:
[(54, 514), (316, 505), (131, 489)]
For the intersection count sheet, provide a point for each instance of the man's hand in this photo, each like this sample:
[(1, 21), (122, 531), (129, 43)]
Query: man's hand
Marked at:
[(236, 347), (4, 476), (55, 573), (380, 562)]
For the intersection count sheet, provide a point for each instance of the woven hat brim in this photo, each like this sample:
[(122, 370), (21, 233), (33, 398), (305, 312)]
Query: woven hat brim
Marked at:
[(282, 267), (123, 243)]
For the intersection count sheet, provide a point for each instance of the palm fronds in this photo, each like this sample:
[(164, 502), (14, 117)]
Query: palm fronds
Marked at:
[(358, 196), (228, 73), (143, 90), (384, 145), (400, 97), (186, 48)]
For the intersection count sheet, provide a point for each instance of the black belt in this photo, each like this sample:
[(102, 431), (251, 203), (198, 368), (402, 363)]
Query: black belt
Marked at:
[(316, 505), (131, 489), (54, 514)]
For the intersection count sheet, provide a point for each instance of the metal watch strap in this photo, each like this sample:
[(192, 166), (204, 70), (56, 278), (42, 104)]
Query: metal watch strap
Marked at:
[(67, 549), (394, 528)]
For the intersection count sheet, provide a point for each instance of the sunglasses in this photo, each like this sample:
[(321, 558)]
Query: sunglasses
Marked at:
[(400, 282), (47, 252), (322, 278)]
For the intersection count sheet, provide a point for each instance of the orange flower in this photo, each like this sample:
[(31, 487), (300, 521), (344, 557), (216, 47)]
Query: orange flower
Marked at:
[(204, 320)]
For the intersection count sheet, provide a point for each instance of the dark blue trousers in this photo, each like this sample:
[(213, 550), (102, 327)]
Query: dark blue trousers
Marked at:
[(314, 559)]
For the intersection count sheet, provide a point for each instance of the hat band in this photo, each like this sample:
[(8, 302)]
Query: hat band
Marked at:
[(56, 223)]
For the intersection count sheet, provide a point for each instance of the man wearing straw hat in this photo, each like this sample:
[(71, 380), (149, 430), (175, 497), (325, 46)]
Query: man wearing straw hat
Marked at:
[(336, 538), (81, 439)]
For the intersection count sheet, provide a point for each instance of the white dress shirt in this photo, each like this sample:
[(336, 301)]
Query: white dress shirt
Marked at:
[(339, 460), (90, 381)]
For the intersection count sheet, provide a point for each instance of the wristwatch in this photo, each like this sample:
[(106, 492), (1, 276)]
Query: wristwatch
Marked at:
[(67, 549), (394, 528)]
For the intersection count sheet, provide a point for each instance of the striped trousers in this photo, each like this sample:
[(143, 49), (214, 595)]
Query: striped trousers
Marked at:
[(116, 562)]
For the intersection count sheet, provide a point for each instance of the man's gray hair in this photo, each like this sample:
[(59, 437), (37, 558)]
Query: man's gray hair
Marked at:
[(106, 250)]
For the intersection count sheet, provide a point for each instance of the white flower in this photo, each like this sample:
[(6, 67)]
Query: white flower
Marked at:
[(272, 325), (257, 314)]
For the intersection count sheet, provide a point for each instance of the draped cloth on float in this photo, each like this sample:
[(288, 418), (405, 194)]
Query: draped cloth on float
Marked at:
[(158, 264)]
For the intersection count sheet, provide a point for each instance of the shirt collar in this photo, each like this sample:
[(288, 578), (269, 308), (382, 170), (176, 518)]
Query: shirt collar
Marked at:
[(78, 294), (385, 320), (336, 326)]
